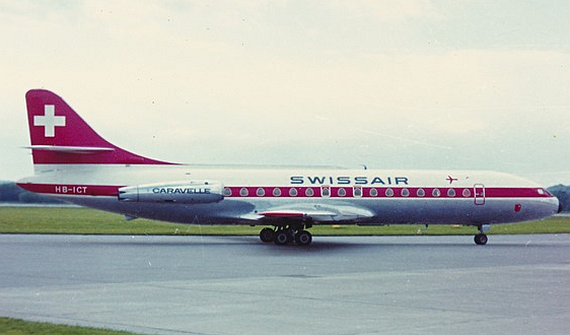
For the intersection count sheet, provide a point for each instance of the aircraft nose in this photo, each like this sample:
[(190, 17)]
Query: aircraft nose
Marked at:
[(555, 205)]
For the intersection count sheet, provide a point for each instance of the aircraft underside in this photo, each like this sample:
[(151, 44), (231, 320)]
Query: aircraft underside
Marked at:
[(294, 228)]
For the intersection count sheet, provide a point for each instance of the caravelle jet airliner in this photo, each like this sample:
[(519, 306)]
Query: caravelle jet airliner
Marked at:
[(75, 164)]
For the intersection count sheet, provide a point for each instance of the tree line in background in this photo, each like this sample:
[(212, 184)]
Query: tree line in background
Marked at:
[(10, 192), (562, 192)]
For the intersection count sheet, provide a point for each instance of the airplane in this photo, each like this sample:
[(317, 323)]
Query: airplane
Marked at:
[(75, 164)]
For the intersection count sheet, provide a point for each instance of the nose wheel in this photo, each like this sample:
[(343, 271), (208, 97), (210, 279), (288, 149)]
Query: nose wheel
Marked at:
[(481, 239)]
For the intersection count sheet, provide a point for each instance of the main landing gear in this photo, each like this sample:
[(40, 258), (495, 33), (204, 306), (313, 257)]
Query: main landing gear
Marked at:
[(286, 234), (481, 238)]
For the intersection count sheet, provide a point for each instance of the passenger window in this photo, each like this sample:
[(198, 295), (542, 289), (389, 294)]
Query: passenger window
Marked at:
[(451, 193), (325, 191), (436, 192), (373, 192), (277, 192), (260, 192), (243, 192), (358, 192), (421, 192), (341, 192), (389, 192), (405, 192), (293, 192), (227, 192), (466, 193), (309, 192)]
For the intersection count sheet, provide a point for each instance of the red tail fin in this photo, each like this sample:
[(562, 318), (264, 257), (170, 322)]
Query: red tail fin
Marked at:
[(60, 136)]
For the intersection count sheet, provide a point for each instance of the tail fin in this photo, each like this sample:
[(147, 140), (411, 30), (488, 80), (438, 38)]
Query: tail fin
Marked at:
[(60, 136)]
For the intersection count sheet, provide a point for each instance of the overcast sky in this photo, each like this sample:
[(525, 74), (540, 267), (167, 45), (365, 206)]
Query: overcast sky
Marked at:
[(417, 84)]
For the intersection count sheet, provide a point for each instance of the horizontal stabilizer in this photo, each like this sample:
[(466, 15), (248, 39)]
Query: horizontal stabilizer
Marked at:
[(70, 149)]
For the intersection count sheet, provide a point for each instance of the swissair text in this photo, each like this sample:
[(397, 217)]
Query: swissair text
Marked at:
[(347, 180)]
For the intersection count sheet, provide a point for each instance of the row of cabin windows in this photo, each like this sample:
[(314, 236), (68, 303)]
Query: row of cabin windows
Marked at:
[(420, 192), (325, 192)]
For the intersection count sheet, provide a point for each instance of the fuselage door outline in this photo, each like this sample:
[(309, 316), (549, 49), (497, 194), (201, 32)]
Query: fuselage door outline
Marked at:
[(479, 194)]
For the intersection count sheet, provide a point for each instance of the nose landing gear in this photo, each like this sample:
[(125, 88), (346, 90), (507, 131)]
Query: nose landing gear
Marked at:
[(481, 238)]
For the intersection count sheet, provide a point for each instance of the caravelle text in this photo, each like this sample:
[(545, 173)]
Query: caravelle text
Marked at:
[(180, 190)]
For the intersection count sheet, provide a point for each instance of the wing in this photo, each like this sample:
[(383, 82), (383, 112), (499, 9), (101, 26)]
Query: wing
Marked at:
[(316, 212)]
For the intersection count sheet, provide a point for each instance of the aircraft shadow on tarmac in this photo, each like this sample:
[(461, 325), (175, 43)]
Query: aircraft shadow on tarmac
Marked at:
[(322, 244), (326, 244)]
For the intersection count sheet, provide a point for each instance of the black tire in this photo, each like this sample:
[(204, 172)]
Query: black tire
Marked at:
[(281, 237), (290, 235), (303, 238), (267, 235), (481, 239)]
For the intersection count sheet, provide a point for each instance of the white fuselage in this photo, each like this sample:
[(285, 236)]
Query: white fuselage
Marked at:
[(365, 197)]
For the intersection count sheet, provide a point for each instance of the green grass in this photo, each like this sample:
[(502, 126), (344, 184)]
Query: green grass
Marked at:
[(55, 220), (10, 326)]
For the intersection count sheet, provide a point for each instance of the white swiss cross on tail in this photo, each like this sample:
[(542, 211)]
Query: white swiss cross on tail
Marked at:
[(49, 121)]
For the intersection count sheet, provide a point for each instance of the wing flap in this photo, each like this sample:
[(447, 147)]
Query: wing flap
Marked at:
[(318, 213)]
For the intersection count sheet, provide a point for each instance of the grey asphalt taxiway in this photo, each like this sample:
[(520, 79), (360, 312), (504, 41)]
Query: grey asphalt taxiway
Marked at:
[(338, 285)]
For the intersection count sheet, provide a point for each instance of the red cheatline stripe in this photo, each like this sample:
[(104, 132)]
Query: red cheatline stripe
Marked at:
[(72, 189), (313, 191), (382, 192)]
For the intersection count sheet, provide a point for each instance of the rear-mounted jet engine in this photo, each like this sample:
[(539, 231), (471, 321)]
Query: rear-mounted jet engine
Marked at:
[(189, 192)]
